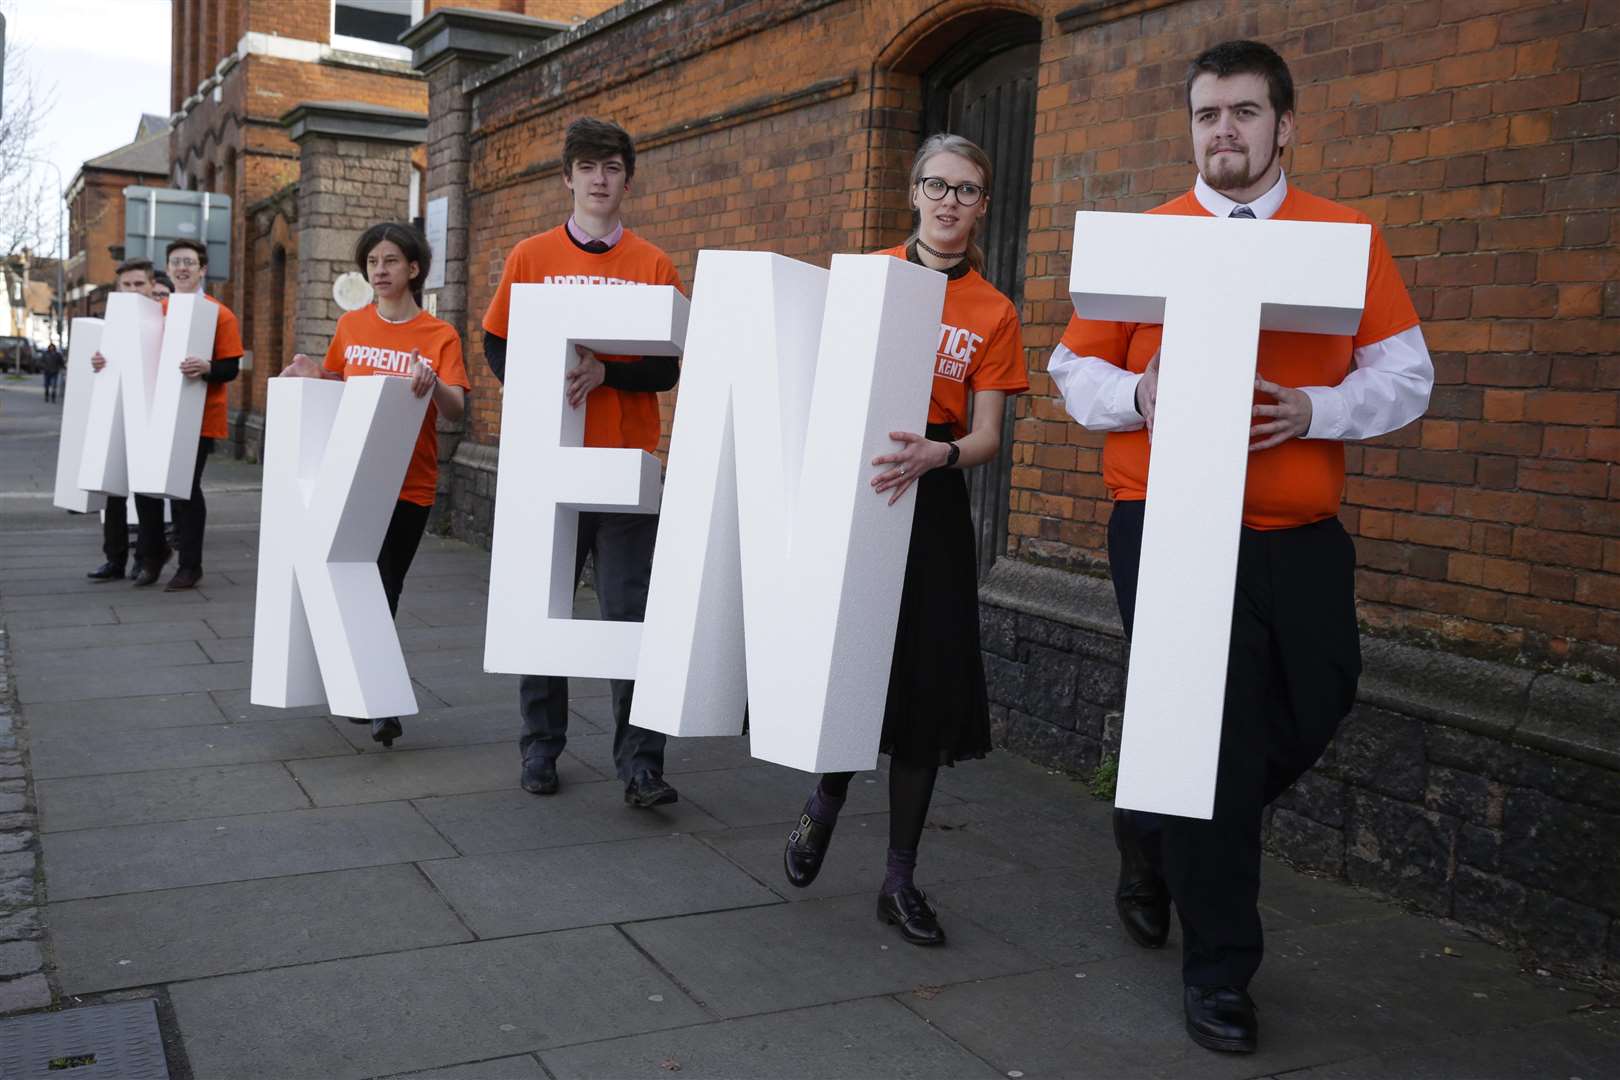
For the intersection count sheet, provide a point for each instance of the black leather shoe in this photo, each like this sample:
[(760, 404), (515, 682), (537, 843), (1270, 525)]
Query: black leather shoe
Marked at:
[(107, 571), (806, 849), (909, 909), (1222, 1018), (386, 729), (648, 789), (1142, 899), (540, 776), (151, 569), (184, 578)]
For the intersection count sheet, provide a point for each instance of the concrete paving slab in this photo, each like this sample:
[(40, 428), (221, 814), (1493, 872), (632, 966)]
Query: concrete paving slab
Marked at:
[(74, 616), (142, 939), (874, 1037), (1046, 836), (474, 688), (385, 1014), (856, 860), (504, 1068), (434, 611), (221, 651), (1065, 915), (93, 683), (234, 706), (172, 855), (467, 725), (651, 878), (417, 774), (84, 802), (59, 753), (1573, 1047), (95, 637), (1303, 900), (514, 820), (71, 664), (680, 755), (764, 794), (815, 953), (97, 719), (446, 659)]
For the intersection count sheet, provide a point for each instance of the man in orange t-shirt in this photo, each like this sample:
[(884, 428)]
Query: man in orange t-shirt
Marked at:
[(620, 397), (1295, 652), (188, 262)]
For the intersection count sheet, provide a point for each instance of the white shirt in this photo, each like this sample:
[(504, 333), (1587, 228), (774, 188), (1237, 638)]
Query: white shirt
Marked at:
[(1387, 387)]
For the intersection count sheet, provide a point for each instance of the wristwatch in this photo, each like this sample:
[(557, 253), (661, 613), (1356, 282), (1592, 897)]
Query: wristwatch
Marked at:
[(952, 454)]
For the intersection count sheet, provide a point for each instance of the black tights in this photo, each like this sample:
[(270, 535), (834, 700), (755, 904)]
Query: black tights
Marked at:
[(911, 789)]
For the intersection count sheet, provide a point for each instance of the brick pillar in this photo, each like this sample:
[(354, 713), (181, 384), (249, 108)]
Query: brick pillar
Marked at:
[(448, 46), (354, 169)]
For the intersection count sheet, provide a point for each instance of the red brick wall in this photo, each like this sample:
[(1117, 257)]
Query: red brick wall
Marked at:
[(95, 224), (1481, 134)]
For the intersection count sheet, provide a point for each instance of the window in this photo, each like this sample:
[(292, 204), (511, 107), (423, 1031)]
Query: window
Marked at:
[(374, 26)]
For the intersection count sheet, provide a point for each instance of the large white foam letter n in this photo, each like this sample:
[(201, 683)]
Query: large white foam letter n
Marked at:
[(547, 475), (1214, 284), (335, 456), (794, 378)]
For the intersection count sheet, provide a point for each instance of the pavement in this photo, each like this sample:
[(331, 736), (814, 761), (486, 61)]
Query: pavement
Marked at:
[(302, 903)]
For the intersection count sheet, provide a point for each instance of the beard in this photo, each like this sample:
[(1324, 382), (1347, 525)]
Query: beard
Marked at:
[(1234, 172)]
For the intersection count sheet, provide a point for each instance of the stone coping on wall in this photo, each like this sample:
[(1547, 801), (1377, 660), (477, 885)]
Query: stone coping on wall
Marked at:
[(355, 120), (486, 36), (1548, 712)]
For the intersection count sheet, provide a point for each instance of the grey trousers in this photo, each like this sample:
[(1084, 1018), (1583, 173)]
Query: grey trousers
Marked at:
[(622, 550)]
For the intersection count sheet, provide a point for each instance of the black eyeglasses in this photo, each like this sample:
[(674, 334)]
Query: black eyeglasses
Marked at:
[(936, 189)]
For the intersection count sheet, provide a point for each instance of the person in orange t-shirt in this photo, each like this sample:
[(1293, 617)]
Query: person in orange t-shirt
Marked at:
[(395, 337), (1295, 651), (938, 711), (188, 261), (620, 397)]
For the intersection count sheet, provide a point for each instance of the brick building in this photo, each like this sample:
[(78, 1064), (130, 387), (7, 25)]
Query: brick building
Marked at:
[(1481, 134), (95, 200)]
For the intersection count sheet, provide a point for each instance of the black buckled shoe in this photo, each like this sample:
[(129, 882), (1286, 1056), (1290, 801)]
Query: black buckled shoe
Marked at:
[(909, 909), (540, 776), (806, 849), (1142, 898), (385, 729), (1222, 1018), (648, 790), (107, 571)]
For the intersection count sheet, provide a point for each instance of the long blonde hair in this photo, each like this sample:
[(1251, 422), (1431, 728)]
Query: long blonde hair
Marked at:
[(946, 143)]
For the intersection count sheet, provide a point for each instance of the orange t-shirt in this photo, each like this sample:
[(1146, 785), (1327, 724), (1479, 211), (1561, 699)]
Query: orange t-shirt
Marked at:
[(367, 344), (1301, 480), (981, 347), (227, 346), (616, 418)]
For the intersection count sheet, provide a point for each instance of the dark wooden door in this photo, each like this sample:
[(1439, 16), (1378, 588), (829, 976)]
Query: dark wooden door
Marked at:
[(985, 91)]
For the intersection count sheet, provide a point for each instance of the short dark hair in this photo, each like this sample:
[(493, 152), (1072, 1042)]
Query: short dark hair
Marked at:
[(129, 266), (160, 278), (411, 242), (588, 139), (186, 245), (1246, 58)]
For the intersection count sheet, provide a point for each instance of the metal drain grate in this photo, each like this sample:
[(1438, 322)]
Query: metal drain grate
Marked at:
[(97, 1042)]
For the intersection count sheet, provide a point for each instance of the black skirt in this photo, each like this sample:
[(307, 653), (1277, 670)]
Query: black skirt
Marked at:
[(938, 712)]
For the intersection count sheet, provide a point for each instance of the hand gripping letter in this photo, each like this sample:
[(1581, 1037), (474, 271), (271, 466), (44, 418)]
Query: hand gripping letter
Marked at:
[(1214, 284)]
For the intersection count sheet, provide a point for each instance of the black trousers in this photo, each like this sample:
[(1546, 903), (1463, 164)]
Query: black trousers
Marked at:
[(399, 546), (115, 530), (190, 515), (621, 546), (1290, 679)]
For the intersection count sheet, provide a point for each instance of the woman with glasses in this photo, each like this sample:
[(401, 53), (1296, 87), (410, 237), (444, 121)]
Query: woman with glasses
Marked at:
[(937, 711)]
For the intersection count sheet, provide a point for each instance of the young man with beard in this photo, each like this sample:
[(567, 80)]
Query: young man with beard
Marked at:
[(1295, 651), (620, 397)]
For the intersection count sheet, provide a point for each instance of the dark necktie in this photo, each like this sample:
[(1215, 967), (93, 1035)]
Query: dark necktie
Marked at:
[(597, 247), (1241, 211)]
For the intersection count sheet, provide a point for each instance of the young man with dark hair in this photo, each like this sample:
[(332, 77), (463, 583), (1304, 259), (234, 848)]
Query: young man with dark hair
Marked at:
[(187, 263), (161, 286), (1295, 650), (132, 275), (620, 398)]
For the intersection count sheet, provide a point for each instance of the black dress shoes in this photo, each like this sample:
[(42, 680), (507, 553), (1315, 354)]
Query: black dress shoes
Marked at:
[(806, 849), (540, 776), (648, 790), (107, 571), (151, 568), (1142, 899), (385, 729), (1222, 1018), (184, 578), (908, 908)]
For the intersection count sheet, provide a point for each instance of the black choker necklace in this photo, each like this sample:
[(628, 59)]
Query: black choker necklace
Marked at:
[(936, 253)]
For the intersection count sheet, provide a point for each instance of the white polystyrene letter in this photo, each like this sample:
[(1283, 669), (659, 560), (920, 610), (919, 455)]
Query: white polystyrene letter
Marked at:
[(1214, 284), (771, 534), (76, 419), (547, 476), (163, 413), (335, 457), (131, 338)]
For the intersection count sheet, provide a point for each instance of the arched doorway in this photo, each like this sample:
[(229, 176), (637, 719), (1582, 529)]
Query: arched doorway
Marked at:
[(984, 89)]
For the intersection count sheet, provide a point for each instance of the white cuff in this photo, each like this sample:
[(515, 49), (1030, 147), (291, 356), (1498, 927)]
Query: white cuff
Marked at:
[(1329, 416)]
